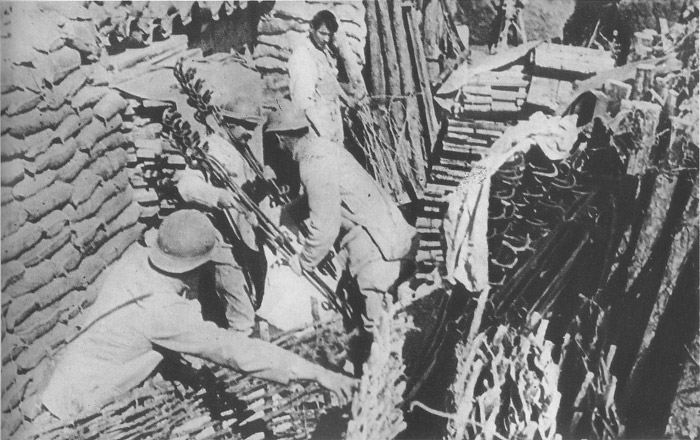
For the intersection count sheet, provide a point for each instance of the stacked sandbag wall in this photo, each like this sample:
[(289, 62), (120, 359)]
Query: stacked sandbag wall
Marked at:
[(287, 25), (67, 206)]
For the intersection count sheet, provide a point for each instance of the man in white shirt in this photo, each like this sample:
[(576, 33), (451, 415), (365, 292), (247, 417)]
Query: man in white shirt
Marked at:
[(313, 76)]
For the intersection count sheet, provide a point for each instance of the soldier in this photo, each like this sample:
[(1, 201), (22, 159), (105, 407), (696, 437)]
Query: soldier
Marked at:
[(349, 209), (240, 281), (147, 303), (313, 76)]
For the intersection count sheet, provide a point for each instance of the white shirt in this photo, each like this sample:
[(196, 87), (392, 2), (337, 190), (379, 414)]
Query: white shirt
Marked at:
[(314, 89)]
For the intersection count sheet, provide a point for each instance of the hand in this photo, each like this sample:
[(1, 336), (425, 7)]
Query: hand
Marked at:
[(271, 211), (226, 200), (340, 385), (295, 264), (269, 173), (340, 42)]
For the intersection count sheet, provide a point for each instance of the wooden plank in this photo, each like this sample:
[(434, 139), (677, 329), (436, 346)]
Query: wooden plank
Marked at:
[(465, 72)]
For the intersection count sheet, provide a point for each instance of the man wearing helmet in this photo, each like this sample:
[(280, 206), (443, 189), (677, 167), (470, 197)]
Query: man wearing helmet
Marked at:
[(146, 303), (347, 209), (240, 280)]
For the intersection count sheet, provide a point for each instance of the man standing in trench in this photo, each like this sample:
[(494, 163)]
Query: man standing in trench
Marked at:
[(240, 280), (147, 304), (348, 209), (313, 77)]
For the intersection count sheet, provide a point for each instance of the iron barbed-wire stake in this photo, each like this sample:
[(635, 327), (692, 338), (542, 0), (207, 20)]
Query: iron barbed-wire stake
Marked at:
[(194, 150), (194, 88)]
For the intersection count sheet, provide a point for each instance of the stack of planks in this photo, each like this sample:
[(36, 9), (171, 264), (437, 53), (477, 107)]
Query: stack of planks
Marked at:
[(571, 61), (493, 93)]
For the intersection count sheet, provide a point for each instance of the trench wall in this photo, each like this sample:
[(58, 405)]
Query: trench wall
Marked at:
[(67, 206)]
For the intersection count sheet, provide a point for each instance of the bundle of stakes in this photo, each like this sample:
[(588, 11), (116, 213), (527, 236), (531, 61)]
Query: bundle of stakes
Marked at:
[(195, 151), (386, 159)]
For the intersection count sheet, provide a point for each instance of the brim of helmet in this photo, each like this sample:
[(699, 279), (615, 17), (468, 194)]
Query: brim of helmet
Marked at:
[(288, 126), (243, 117), (170, 264)]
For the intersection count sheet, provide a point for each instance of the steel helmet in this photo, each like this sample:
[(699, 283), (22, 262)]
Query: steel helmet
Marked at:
[(243, 109), (185, 240), (286, 117)]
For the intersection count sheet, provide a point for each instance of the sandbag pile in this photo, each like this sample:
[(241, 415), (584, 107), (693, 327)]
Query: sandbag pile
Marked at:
[(67, 205), (129, 25), (287, 26)]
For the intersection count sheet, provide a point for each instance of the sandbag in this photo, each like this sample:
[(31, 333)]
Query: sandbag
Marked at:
[(6, 196), (57, 65), (36, 120), (99, 76), (67, 257), (74, 166), (109, 106), (116, 246), (61, 93), (13, 217), (56, 156), (34, 278), (88, 97), (84, 38), (28, 359), (96, 131), (68, 128), (9, 373), (14, 396), (12, 272), (45, 249), (84, 232), (53, 223), (21, 101), (115, 206), (88, 271), (54, 291), (19, 310), (12, 147), (92, 205), (46, 201), (85, 185), (33, 145), (40, 324), (109, 164), (17, 243), (272, 25), (29, 187), (12, 346), (11, 172)]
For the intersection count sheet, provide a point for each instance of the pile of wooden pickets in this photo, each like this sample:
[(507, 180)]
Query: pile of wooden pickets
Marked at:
[(540, 77), (493, 93), (555, 68)]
